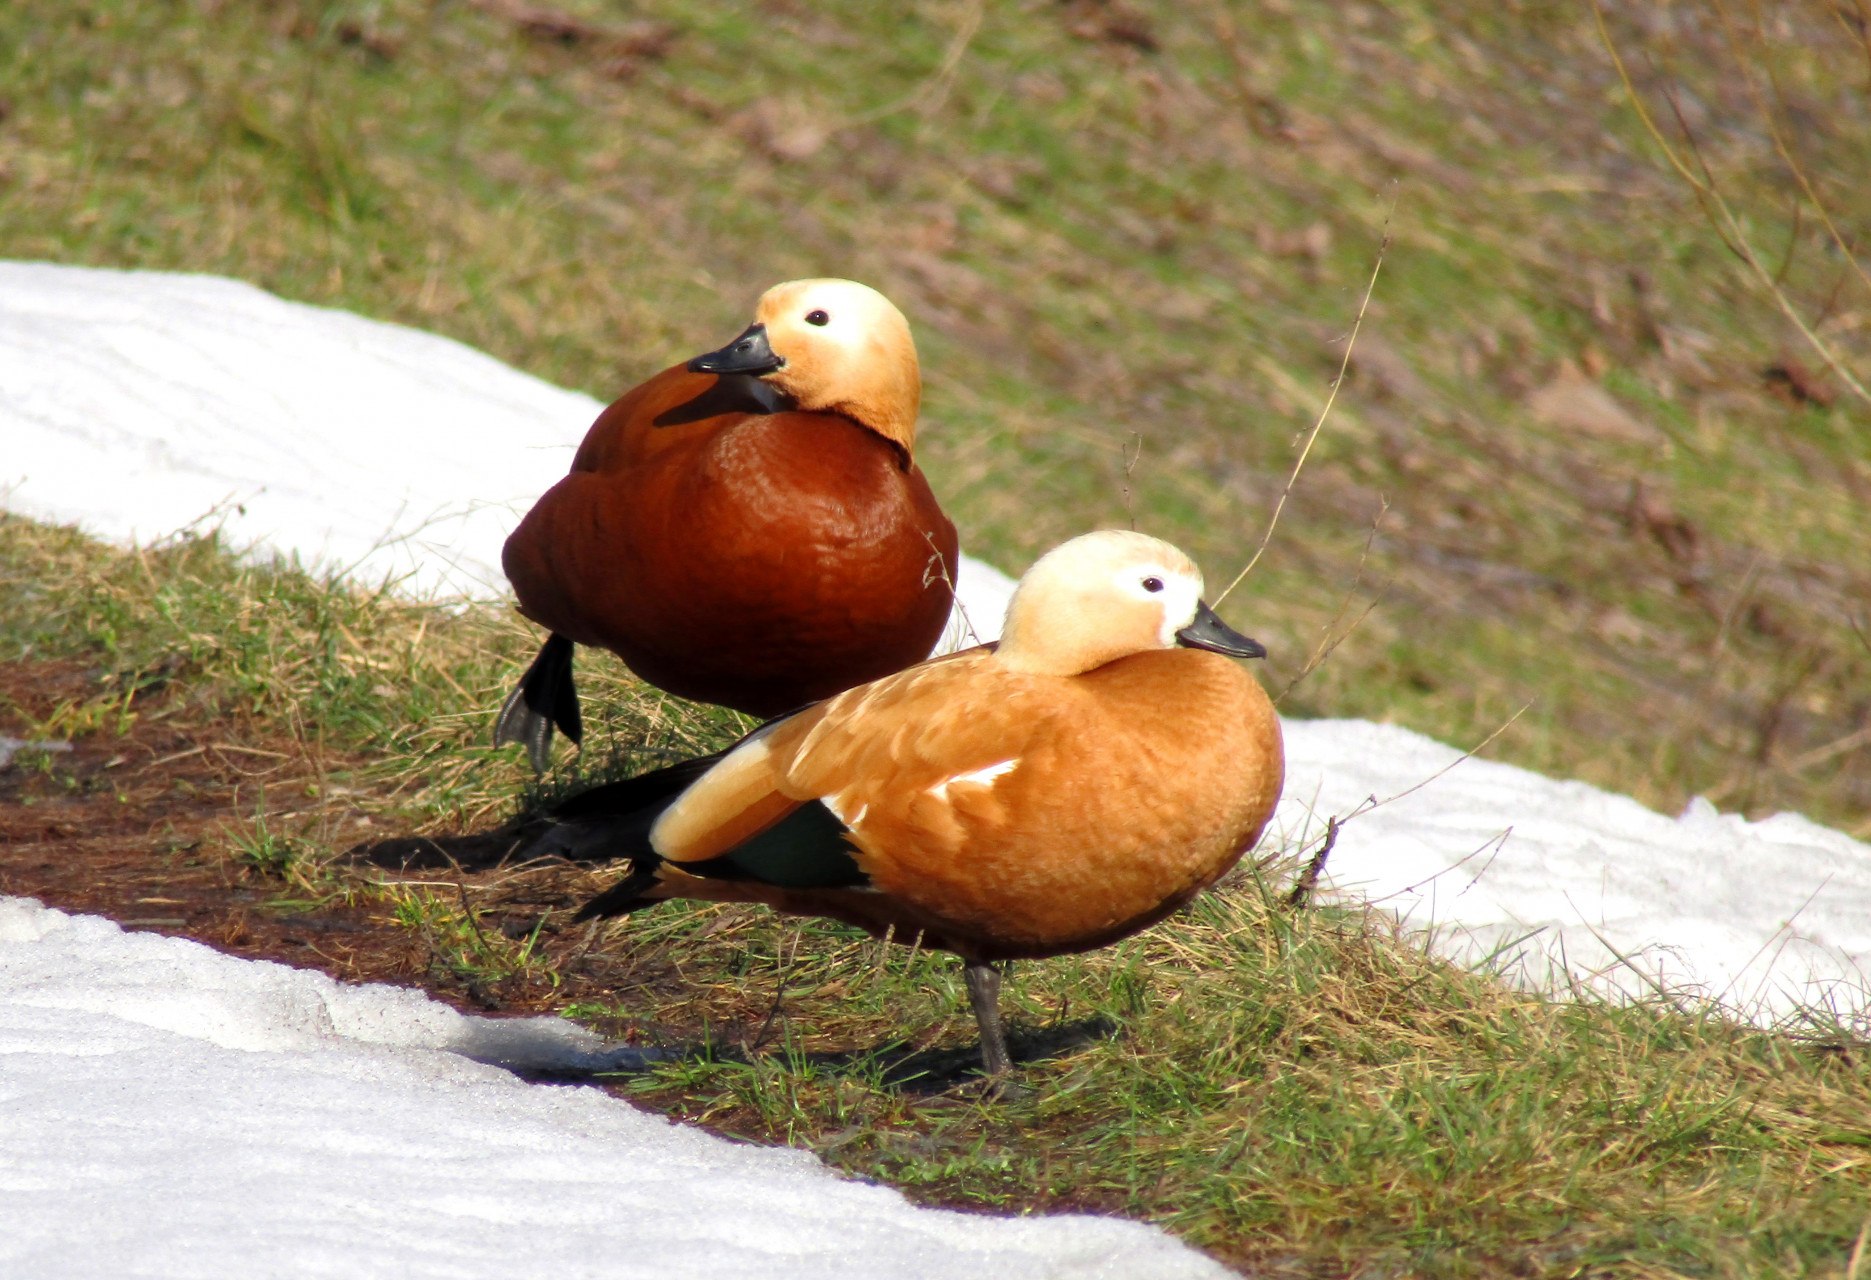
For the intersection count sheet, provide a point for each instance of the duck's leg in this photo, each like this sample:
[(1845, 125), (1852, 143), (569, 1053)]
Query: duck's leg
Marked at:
[(545, 696), (984, 995)]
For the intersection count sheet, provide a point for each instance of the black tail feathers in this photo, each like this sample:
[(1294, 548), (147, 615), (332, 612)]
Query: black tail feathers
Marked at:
[(544, 697)]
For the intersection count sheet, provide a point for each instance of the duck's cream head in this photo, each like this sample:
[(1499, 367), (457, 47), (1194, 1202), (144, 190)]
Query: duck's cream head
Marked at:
[(832, 346), (1104, 596)]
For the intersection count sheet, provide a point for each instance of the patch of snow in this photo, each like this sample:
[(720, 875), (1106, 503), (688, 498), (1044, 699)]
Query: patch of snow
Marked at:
[(172, 1111), (1561, 883)]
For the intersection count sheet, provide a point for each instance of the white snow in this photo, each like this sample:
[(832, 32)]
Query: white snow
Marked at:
[(172, 1111), (1563, 883), (184, 1113)]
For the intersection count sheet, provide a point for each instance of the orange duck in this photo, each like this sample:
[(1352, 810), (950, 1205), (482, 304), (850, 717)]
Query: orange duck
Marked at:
[(1058, 792), (747, 529)]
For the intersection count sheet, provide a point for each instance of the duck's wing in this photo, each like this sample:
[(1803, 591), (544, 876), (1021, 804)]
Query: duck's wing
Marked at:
[(778, 809), (727, 819)]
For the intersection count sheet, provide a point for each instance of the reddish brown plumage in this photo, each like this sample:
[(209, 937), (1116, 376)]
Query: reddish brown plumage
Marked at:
[(757, 560)]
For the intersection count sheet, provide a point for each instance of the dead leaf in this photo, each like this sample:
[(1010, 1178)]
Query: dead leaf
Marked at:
[(1573, 402)]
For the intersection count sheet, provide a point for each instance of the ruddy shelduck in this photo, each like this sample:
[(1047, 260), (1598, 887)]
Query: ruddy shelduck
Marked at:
[(1074, 784), (747, 529)]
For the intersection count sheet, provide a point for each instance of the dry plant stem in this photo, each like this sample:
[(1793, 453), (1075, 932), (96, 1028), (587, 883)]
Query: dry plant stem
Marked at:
[(1716, 206), (1862, 630), (929, 94), (1475, 750), (940, 573), (779, 997), (1308, 880), (1372, 802), (1324, 412), (1133, 453), (1861, 32), (1330, 640), (1780, 141)]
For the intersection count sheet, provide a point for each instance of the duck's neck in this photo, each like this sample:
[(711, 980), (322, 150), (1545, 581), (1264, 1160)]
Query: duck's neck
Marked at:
[(894, 425)]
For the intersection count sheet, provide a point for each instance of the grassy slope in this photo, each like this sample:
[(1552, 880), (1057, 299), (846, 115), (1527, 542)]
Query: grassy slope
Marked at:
[(1105, 248), (1114, 251)]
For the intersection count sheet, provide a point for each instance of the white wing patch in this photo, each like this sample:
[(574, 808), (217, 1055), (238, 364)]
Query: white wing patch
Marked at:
[(983, 777), (837, 805)]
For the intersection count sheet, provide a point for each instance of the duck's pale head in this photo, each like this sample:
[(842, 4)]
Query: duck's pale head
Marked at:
[(832, 346), (1104, 596)]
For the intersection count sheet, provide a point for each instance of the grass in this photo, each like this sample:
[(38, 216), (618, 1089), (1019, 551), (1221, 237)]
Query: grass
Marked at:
[(1132, 238), (1302, 1092)]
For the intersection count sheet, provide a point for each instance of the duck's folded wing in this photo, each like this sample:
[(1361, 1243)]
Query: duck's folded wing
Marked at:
[(908, 733), (738, 822), (781, 807)]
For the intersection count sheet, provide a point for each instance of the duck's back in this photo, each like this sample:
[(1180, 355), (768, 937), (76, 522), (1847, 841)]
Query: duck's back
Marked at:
[(756, 559)]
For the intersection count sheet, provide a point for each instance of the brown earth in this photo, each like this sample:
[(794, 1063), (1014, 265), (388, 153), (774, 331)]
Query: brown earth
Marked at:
[(147, 828)]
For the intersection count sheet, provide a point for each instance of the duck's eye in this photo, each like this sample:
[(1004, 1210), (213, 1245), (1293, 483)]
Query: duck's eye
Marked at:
[(817, 317), (1153, 585)]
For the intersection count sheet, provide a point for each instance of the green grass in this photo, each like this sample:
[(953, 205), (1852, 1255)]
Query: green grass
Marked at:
[(1305, 1092)]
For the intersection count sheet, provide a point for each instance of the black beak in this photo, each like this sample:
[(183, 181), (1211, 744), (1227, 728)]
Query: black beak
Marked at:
[(1209, 632), (748, 353)]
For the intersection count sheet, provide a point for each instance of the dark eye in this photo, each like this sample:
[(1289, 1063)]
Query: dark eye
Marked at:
[(817, 317), (1153, 584)]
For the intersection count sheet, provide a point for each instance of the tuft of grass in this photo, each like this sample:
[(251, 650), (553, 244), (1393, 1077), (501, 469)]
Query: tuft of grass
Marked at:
[(450, 927)]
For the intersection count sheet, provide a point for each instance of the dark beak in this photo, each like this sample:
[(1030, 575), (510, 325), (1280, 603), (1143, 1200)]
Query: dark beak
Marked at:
[(1209, 632), (748, 353)]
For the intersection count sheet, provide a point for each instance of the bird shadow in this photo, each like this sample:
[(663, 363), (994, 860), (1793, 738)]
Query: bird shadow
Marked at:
[(470, 851), (893, 1064)]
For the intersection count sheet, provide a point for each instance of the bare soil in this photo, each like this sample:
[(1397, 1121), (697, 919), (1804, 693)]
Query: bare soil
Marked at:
[(143, 828)]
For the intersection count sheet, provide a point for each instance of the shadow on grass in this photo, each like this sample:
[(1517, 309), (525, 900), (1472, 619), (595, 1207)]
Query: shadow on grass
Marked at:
[(892, 1064), (474, 851)]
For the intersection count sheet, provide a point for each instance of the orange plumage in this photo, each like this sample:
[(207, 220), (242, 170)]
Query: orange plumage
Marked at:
[(1064, 790)]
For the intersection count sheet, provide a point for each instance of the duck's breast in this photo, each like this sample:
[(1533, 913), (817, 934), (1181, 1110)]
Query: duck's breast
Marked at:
[(757, 559)]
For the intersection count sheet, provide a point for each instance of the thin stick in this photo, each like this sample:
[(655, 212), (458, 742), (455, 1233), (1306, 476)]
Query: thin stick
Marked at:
[(1328, 641), (1475, 750), (779, 996), (1131, 458), (1330, 399), (931, 92), (1779, 136)]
